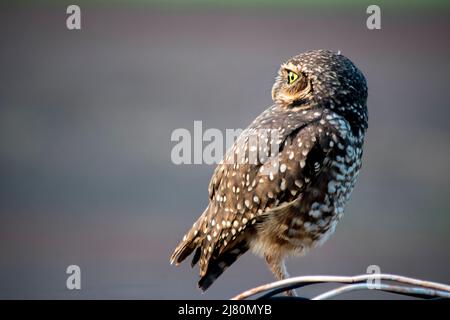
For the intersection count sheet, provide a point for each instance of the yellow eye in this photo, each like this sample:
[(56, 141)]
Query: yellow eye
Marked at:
[(292, 77)]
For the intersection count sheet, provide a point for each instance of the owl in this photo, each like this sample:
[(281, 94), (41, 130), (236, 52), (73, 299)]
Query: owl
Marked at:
[(289, 197)]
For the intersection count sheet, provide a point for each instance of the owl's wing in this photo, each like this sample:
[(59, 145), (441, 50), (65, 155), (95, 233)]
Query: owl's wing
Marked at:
[(242, 192)]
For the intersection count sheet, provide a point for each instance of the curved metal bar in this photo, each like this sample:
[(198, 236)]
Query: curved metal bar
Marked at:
[(414, 291), (304, 280)]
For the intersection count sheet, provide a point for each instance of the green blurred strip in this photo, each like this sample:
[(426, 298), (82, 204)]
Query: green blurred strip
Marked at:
[(402, 5)]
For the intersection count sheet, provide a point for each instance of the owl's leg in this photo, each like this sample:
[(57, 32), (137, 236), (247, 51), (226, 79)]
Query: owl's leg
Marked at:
[(278, 268)]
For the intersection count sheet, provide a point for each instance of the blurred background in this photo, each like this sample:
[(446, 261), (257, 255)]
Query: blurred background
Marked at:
[(86, 118)]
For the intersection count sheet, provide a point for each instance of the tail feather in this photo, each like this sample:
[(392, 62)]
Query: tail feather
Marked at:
[(189, 243), (213, 261), (216, 266), (183, 250), (196, 256)]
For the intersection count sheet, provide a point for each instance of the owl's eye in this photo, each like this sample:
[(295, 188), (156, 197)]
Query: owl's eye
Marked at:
[(292, 77)]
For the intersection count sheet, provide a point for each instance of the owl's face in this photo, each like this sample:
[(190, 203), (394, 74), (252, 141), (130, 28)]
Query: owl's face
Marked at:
[(291, 86), (323, 79)]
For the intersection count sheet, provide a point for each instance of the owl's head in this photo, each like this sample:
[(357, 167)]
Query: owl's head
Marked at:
[(323, 79)]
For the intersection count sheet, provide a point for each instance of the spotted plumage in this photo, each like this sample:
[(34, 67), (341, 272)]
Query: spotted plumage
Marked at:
[(282, 187)]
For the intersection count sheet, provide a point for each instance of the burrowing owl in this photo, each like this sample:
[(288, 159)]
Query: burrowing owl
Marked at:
[(288, 203)]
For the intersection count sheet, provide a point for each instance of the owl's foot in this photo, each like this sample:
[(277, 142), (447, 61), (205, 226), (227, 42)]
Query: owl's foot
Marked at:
[(278, 268)]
